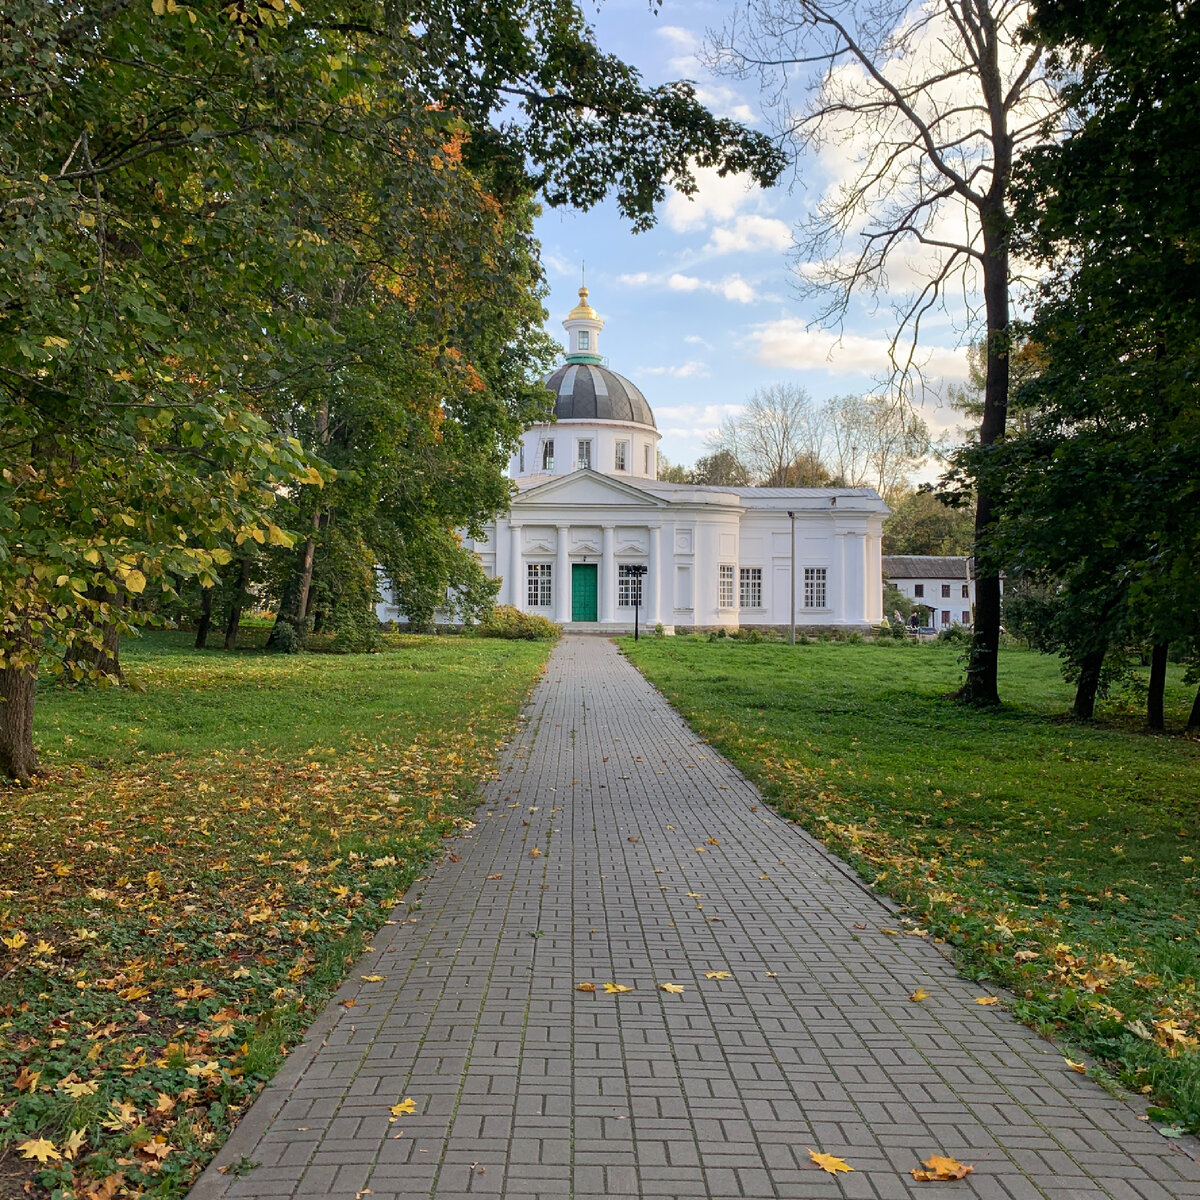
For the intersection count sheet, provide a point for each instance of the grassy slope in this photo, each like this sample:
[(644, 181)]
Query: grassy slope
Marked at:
[(187, 886), (1015, 835)]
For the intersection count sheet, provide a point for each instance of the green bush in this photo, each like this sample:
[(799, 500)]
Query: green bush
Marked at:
[(504, 621), (954, 633)]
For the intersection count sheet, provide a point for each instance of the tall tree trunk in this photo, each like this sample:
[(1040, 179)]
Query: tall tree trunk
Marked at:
[(1194, 716), (293, 604), (105, 658), (981, 686), (18, 688), (1158, 683), (1084, 707), (206, 601), (240, 596)]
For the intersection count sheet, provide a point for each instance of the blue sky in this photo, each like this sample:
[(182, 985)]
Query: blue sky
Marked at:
[(703, 309)]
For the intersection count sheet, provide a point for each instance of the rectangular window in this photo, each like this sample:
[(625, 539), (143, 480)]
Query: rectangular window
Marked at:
[(751, 587), (966, 617), (725, 580), (521, 458), (548, 455), (584, 457), (815, 580), (629, 586), (621, 461), (539, 595), (646, 468), (585, 339), (945, 591), (966, 591), (945, 617), (918, 589)]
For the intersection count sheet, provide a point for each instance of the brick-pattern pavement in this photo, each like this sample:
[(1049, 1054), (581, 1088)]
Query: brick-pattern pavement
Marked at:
[(592, 861)]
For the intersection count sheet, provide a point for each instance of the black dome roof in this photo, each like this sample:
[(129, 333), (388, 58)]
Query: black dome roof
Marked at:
[(589, 392)]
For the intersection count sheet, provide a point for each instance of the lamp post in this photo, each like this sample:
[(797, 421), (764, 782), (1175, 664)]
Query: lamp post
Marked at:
[(792, 638), (638, 571)]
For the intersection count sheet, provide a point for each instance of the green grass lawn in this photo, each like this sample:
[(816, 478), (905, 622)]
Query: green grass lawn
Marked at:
[(186, 886), (1061, 860)]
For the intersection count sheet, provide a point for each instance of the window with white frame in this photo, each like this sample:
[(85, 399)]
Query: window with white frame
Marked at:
[(750, 579), (521, 459), (646, 468), (540, 594), (629, 586), (583, 457), (548, 454), (815, 581), (621, 459), (585, 339), (725, 586)]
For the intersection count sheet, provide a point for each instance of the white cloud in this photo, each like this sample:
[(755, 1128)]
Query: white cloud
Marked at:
[(732, 287), (750, 233), (695, 369), (725, 102), (790, 343), (716, 199), (637, 279), (694, 339)]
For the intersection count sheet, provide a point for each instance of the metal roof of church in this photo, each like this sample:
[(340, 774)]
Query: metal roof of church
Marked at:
[(590, 392)]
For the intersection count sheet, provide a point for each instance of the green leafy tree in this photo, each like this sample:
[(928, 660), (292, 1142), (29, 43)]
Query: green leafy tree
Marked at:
[(202, 208), (923, 523), (1106, 500)]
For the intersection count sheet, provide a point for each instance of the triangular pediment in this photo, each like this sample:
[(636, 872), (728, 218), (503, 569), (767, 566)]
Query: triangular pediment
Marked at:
[(586, 489)]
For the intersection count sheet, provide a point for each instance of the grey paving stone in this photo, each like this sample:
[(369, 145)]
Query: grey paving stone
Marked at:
[(528, 1089)]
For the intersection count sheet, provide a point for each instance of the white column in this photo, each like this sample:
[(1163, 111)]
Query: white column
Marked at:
[(858, 608), (516, 568), (840, 581), (608, 578), (499, 553), (654, 577), (562, 581)]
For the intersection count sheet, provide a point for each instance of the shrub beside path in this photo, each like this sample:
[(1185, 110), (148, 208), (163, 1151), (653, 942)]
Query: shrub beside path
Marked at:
[(616, 848)]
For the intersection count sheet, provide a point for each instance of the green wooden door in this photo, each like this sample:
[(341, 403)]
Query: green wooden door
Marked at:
[(583, 591)]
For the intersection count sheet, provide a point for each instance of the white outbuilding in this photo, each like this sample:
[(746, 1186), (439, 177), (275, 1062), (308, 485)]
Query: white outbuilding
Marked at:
[(591, 528)]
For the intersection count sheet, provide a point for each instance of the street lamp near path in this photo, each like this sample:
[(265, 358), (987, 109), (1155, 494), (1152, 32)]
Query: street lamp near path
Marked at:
[(792, 638), (638, 571)]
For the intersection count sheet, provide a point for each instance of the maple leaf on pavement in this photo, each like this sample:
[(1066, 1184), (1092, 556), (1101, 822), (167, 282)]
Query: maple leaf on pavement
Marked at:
[(613, 988), (673, 988), (585, 987), (938, 1166), (717, 975), (829, 1162), (919, 995)]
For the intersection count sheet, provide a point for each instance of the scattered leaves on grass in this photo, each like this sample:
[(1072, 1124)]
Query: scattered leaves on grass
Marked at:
[(938, 1167), (829, 1162), (41, 1149)]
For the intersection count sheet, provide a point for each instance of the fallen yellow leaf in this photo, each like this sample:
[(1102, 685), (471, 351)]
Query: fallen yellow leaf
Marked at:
[(717, 975), (40, 1148), (372, 978), (673, 988), (1076, 1066), (987, 999), (585, 987), (919, 995), (535, 853), (407, 1105), (613, 988), (829, 1162), (939, 1167), (889, 932)]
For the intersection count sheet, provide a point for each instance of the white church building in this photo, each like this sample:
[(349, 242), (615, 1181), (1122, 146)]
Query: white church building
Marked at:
[(591, 527)]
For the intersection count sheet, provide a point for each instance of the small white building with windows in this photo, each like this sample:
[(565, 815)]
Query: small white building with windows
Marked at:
[(591, 527), (941, 587)]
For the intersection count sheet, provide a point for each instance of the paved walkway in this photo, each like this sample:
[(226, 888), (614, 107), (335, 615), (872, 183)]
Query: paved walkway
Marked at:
[(616, 847)]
